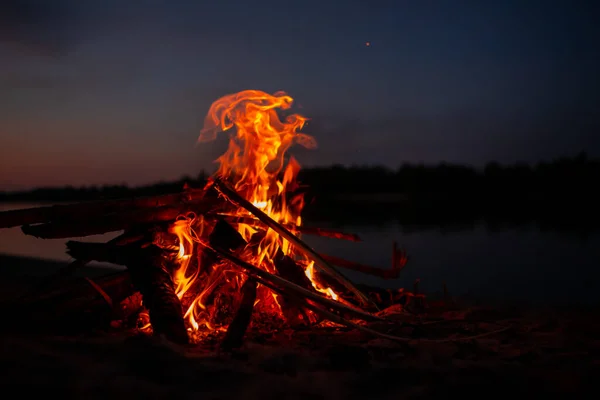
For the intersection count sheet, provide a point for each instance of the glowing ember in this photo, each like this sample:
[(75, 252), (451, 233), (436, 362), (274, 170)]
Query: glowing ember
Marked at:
[(255, 165)]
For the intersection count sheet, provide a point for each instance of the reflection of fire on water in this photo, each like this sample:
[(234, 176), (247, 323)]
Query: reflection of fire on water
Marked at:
[(255, 166)]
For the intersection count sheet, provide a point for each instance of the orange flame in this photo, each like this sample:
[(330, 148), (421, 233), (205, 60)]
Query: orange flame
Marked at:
[(253, 163), (182, 228)]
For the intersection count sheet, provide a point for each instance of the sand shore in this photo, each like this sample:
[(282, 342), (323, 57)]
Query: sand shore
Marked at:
[(549, 353)]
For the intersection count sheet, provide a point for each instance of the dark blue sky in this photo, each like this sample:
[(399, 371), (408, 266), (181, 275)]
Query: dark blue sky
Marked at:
[(107, 91)]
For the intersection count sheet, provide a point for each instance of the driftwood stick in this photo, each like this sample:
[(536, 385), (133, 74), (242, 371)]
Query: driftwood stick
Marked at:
[(102, 224), (238, 200), (301, 229), (76, 212), (101, 291), (365, 269), (256, 272), (330, 233)]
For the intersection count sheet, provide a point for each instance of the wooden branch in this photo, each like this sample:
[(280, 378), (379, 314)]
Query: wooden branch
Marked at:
[(320, 263), (365, 269), (330, 233), (99, 224), (307, 230), (78, 211)]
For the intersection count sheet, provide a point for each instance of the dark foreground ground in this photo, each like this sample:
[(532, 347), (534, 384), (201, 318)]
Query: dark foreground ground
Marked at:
[(550, 353)]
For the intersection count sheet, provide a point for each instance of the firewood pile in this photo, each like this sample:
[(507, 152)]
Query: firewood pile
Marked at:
[(151, 250)]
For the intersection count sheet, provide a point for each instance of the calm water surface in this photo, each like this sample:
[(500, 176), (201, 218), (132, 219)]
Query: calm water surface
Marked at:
[(517, 265)]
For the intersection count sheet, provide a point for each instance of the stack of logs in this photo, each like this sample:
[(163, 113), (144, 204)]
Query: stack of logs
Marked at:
[(149, 266)]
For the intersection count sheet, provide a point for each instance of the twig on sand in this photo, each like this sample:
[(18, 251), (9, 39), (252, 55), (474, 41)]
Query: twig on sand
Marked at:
[(101, 291)]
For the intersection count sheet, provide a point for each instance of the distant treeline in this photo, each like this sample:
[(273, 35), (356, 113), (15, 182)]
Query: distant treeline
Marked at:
[(93, 192), (564, 177), (559, 195)]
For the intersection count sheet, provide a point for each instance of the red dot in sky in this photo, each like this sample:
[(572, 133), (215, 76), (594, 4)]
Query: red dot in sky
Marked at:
[(368, 44)]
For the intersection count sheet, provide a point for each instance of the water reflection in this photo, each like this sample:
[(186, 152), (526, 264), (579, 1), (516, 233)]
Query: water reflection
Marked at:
[(519, 264)]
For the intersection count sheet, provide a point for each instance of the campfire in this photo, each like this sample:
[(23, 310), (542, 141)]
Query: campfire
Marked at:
[(212, 261)]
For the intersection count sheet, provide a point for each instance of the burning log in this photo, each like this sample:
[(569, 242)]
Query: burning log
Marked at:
[(237, 329), (288, 269)]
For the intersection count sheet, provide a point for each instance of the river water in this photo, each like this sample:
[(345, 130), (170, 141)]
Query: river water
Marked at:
[(524, 264)]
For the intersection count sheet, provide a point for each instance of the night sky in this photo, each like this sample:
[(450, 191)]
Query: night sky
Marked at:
[(111, 91)]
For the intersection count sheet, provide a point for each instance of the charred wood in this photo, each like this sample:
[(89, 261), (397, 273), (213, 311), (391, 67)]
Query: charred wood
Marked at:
[(226, 237), (288, 269)]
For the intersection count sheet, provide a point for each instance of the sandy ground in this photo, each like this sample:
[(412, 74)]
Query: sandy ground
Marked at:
[(554, 353)]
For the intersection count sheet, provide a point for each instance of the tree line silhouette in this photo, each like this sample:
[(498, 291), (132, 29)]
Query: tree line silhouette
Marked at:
[(559, 194), (564, 177)]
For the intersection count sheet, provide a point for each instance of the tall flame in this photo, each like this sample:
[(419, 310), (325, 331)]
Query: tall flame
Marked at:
[(253, 164)]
